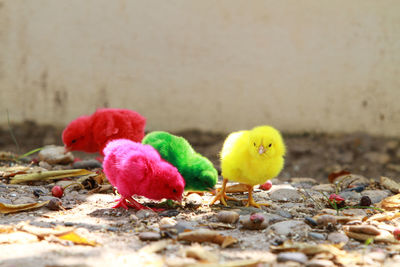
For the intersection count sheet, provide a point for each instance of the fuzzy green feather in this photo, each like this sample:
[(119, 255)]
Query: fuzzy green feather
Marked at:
[(198, 172)]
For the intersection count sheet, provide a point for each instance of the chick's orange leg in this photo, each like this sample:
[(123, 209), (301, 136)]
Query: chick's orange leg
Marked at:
[(221, 194), (250, 200)]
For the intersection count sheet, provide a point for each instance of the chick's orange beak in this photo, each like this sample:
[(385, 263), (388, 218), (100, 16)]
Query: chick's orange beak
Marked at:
[(261, 149)]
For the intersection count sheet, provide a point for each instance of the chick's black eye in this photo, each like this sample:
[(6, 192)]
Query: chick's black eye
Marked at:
[(254, 144), (174, 190), (73, 141), (269, 145)]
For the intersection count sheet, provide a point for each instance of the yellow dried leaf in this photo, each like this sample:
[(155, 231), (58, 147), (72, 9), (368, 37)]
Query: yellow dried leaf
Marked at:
[(77, 239), (48, 175), (10, 208), (309, 249), (205, 235)]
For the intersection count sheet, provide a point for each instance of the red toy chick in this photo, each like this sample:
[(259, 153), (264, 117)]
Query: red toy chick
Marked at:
[(91, 133), (137, 169)]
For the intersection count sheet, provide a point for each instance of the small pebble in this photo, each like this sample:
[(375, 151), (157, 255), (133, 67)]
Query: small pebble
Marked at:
[(249, 224), (292, 256), (226, 216), (54, 204), (337, 238), (317, 236), (69, 224), (149, 236), (133, 218), (326, 220), (55, 155), (376, 195), (181, 226), (285, 194), (167, 222), (310, 221), (168, 213), (284, 213), (145, 213), (112, 229), (87, 164), (193, 200)]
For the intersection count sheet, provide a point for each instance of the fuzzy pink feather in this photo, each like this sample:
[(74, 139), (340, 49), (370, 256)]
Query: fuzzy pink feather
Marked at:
[(91, 133), (137, 169)]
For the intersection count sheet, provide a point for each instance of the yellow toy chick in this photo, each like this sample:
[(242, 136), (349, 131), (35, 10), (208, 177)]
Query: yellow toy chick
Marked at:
[(251, 158)]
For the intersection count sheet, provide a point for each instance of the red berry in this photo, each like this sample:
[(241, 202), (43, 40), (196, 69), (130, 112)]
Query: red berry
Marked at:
[(337, 198), (57, 191), (267, 186), (396, 233)]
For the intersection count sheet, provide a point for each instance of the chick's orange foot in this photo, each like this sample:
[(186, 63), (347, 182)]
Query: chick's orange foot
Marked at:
[(221, 195), (250, 199)]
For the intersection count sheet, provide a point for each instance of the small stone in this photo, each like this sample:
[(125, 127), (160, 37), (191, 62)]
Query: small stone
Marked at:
[(284, 194), (145, 213), (149, 236), (292, 256), (87, 164), (284, 213), (45, 165), (167, 222), (168, 213), (193, 200), (226, 216), (338, 238), (326, 220), (133, 218), (55, 204), (351, 195), (255, 224), (55, 155), (319, 263), (182, 226), (310, 221), (317, 236), (290, 227), (328, 188), (376, 195)]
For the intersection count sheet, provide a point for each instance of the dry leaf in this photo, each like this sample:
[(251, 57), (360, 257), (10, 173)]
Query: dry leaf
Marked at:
[(205, 235), (155, 246), (390, 184), (77, 239), (234, 263), (41, 232), (215, 225), (199, 253), (383, 236), (48, 175), (390, 203), (309, 249), (363, 229), (10, 208)]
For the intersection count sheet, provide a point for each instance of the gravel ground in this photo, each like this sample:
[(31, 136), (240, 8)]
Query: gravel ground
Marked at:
[(298, 228)]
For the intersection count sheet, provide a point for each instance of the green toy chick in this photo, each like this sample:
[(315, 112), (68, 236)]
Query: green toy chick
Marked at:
[(199, 173)]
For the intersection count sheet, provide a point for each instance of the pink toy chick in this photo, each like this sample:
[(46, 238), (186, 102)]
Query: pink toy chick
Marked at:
[(91, 133), (137, 169)]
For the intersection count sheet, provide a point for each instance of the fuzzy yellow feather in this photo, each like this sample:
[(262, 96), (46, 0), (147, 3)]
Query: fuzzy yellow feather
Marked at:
[(250, 158)]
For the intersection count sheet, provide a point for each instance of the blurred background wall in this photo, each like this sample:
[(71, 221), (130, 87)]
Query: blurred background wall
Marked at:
[(316, 65)]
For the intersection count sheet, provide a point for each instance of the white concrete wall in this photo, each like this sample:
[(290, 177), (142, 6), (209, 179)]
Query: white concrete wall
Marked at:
[(316, 65)]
